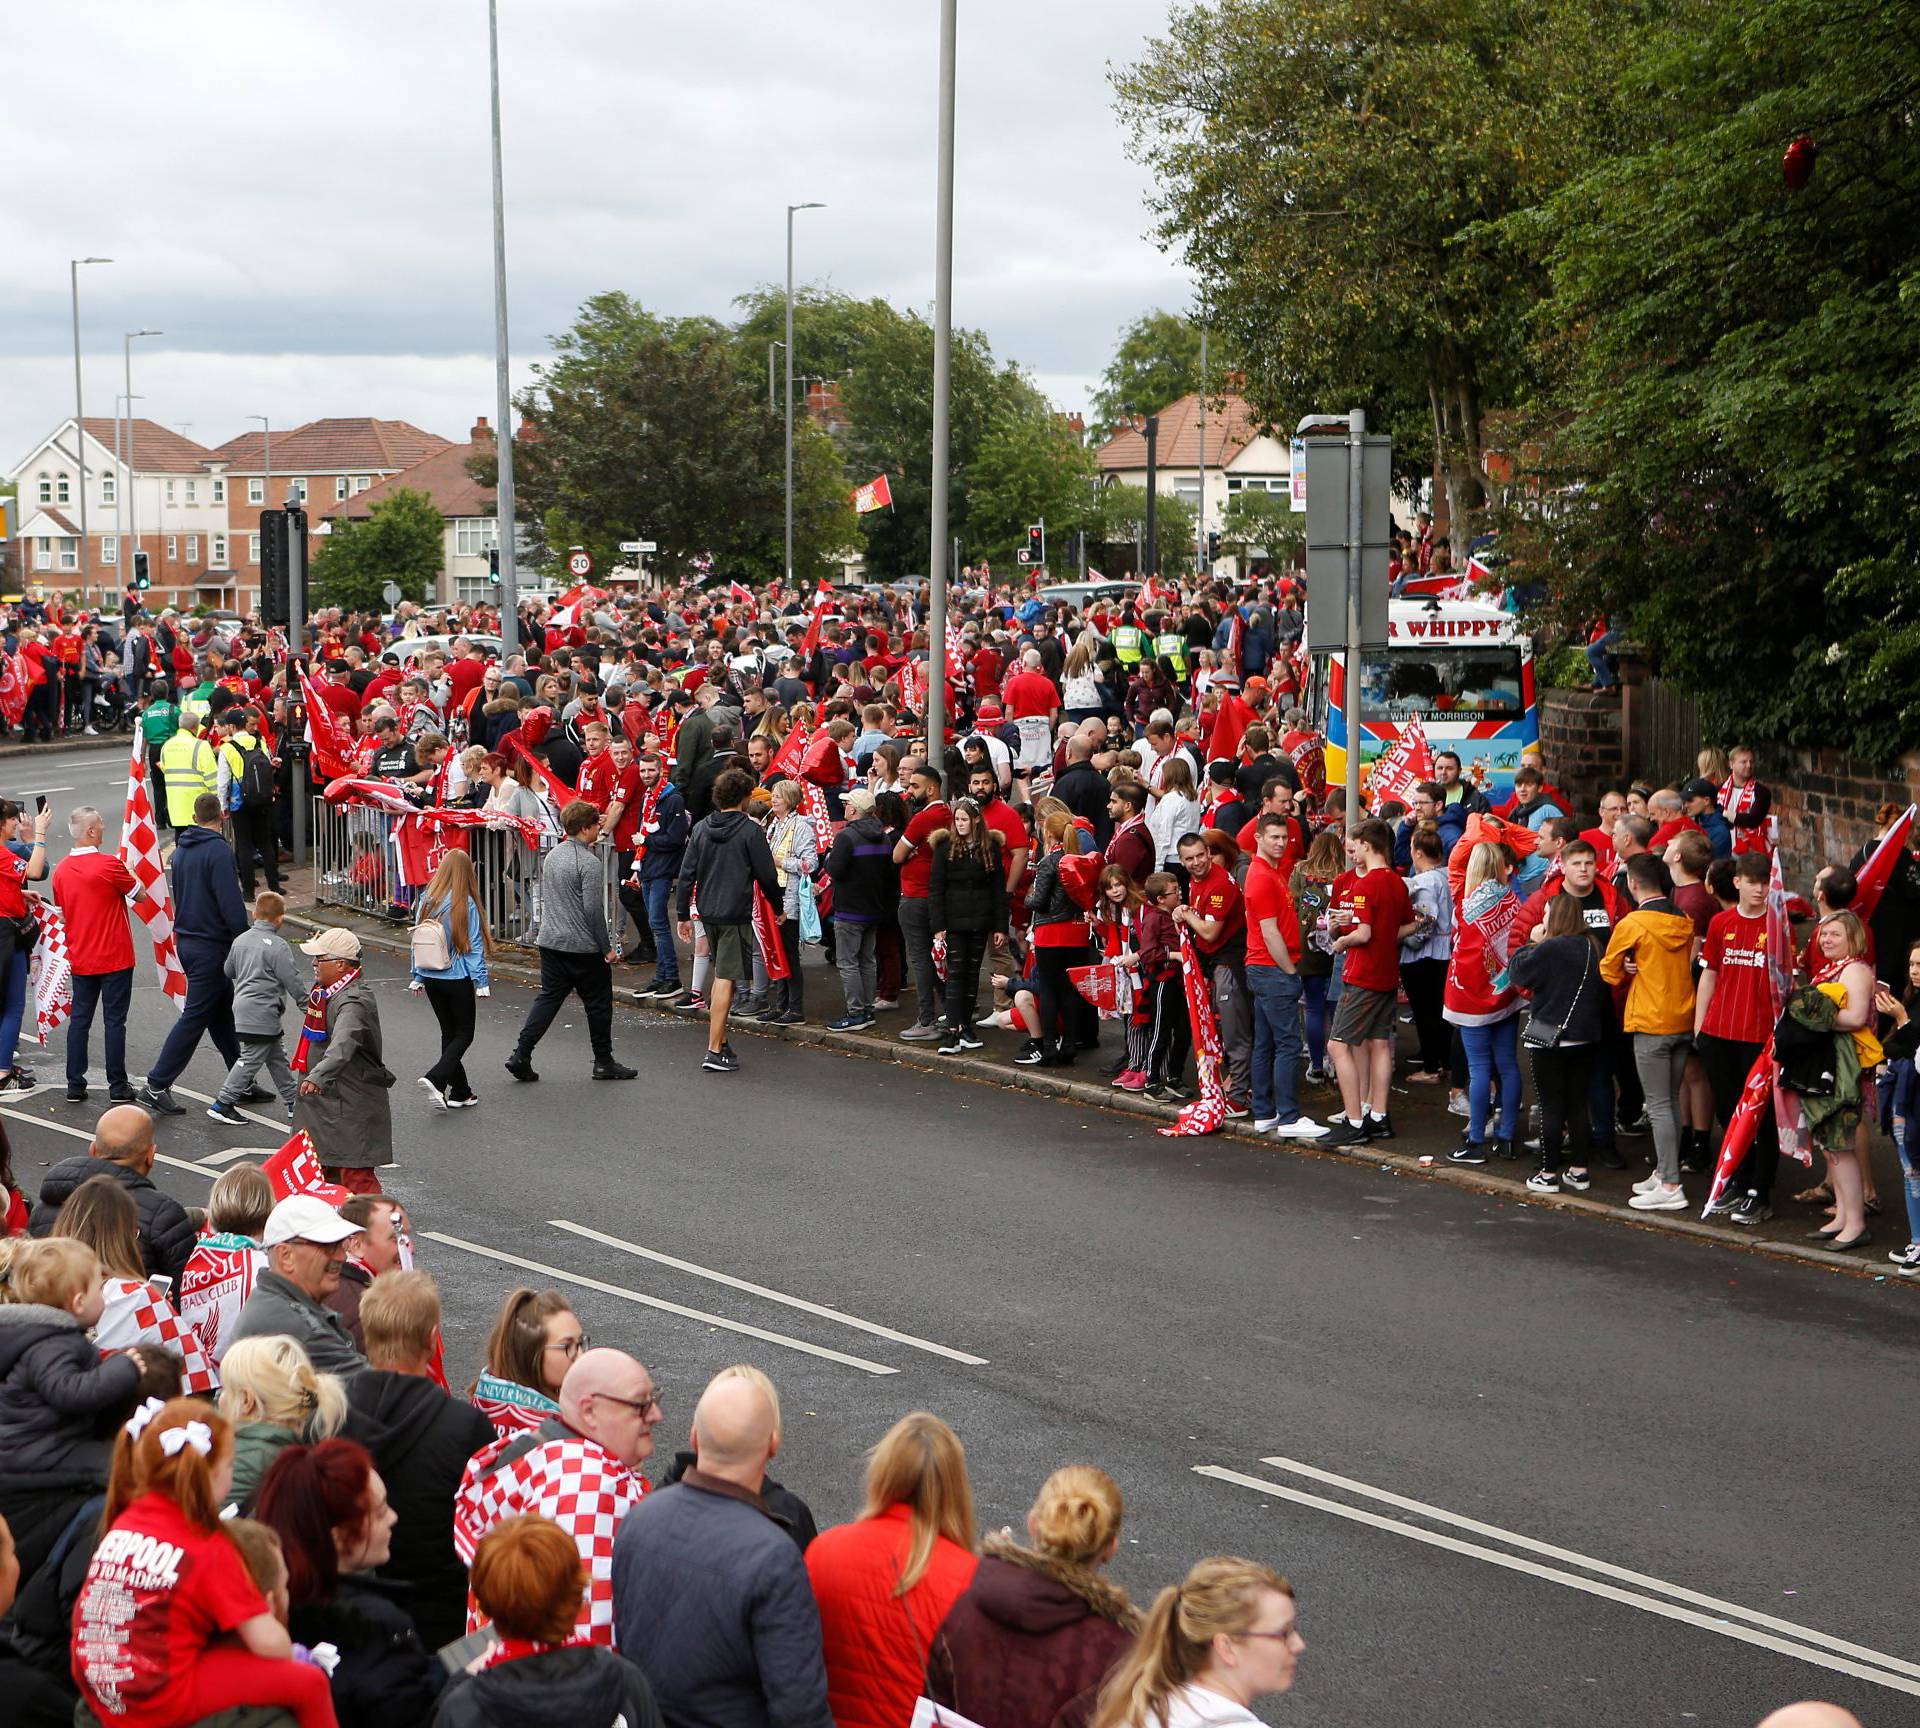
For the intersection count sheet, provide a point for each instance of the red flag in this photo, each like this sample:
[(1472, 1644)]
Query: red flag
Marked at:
[(1755, 1096), (295, 1169), (786, 760), (557, 789), (766, 928), (877, 494), (1877, 872), (1230, 722), (1402, 766), (15, 682), (328, 734), (739, 594), (1100, 984), (822, 600)]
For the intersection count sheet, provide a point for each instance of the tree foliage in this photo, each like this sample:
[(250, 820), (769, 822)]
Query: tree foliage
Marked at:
[(1119, 524), (1031, 466), (1263, 524), (1156, 361), (403, 540)]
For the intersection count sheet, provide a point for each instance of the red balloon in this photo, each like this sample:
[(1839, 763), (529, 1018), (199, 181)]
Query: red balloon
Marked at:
[(1797, 164)]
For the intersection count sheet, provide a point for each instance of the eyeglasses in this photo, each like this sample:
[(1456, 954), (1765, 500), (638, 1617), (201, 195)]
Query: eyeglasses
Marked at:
[(572, 1347), (639, 1405)]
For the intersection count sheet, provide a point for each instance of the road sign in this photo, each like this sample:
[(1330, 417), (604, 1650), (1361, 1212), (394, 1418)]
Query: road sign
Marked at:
[(638, 546), (1327, 529), (390, 592), (579, 564)]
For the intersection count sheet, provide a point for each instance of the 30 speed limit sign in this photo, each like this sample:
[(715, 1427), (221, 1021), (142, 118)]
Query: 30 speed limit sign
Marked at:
[(580, 564)]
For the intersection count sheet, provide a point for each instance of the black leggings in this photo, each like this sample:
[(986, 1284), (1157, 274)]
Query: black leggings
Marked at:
[(1728, 1062), (1426, 982), (1067, 1019), (1169, 1030), (966, 951), (452, 1001), (1562, 1078)]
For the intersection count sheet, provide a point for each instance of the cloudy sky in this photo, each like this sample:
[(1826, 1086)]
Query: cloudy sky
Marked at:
[(298, 195)]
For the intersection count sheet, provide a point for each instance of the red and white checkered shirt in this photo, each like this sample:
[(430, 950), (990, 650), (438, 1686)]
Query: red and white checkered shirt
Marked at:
[(572, 1480), (141, 1313)]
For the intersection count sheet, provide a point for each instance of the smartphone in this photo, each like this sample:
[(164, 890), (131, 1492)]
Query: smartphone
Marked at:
[(39, 803), (455, 1656)]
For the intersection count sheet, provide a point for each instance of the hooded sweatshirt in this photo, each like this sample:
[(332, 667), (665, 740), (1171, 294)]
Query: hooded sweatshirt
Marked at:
[(578, 1688), (1659, 936), (727, 855)]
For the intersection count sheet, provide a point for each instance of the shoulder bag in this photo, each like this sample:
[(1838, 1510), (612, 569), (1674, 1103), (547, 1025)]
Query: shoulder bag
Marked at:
[(1545, 1034)]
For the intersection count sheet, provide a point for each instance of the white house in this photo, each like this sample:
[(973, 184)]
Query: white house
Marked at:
[(1238, 455)]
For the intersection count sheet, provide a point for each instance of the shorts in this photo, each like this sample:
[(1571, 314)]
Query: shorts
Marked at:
[(1363, 1015), (731, 948)]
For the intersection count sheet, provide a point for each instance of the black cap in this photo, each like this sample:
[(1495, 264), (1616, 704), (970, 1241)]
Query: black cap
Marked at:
[(1697, 788)]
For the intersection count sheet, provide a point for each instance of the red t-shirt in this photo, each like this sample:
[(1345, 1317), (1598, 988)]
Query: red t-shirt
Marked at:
[(465, 675), (1267, 896), (1736, 952), (91, 889), (986, 668), (1380, 901), (1030, 694), (157, 1592), (629, 794), (1217, 897), (1664, 835), (916, 875), (13, 885), (598, 777)]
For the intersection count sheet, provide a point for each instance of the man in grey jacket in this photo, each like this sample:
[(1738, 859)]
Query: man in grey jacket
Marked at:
[(576, 947), (306, 1244), (265, 977), (710, 1593)]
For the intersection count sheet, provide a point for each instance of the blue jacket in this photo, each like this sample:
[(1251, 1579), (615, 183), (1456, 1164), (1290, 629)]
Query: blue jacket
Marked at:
[(1714, 825), (665, 847), (473, 963), (711, 1602), (1452, 823), (207, 904)]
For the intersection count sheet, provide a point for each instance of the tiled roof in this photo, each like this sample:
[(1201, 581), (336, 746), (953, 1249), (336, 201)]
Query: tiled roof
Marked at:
[(157, 449), (442, 476), (356, 446), (59, 518), (1231, 427)]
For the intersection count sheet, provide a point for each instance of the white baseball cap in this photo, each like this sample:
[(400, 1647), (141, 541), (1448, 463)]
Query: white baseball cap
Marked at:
[(306, 1218)]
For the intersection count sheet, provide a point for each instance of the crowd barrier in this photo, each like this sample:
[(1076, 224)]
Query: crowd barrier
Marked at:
[(357, 868)]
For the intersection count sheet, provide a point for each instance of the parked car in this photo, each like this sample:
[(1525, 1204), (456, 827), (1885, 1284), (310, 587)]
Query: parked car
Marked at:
[(1083, 594), (412, 647)]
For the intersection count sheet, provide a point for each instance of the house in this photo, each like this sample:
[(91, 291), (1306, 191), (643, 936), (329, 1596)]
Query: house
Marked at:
[(1241, 455), (319, 465), (472, 528), (147, 490)]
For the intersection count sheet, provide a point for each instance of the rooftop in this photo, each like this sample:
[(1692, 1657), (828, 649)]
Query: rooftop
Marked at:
[(1230, 424), (360, 445)]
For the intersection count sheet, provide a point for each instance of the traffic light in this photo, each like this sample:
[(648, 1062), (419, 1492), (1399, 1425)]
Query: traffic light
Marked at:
[(1035, 550), (493, 565), (1213, 547), (276, 601), (141, 579)]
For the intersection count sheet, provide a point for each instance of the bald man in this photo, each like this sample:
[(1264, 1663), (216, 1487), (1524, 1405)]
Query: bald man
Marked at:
[(578, 1468), (710, 1594), (123, 1148), (1811, 1714)]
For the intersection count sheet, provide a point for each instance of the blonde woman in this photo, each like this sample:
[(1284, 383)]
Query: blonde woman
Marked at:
[(1040, 1628), (1081, 696), (1480, 999), (1226, 1635), (1176, 813), (274, 1399), (796, 857), (451, 899), (886, 1582)]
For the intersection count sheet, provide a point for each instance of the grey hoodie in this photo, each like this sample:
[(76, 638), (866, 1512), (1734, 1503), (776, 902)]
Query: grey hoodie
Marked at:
[(265, 975)]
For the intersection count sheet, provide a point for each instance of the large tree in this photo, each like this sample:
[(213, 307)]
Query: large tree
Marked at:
[(403, 541), (1335, 172), (1156, 361), (1030, 467)]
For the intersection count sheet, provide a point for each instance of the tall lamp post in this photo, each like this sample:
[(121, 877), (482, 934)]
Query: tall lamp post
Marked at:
[(80, 421), (502, 387), (789, 539), (133, 500), (942, 404)]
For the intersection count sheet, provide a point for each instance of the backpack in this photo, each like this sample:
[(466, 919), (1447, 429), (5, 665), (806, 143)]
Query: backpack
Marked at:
[(430, 949), (256, 779)]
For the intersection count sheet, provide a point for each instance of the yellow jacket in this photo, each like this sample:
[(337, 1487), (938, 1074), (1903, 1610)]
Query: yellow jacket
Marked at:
[(188, 767), (1660, 998)]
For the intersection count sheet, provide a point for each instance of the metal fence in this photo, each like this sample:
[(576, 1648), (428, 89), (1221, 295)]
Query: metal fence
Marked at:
[(357, 868)]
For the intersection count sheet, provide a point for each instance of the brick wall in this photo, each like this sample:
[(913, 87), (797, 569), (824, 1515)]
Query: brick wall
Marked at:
[(1581, 743), (1825, 801)]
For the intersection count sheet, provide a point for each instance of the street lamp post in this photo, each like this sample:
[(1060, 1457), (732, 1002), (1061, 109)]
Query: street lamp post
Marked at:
[(133, 502), (773, 398), (80, 421), (942, 404), (503, 507), (789, 537)]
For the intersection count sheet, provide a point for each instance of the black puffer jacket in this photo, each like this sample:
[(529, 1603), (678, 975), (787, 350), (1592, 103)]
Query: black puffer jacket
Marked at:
[(967, 892), (166, 1233), (386, 1677), (53, 1388), (1563, 976), (589, 1687)]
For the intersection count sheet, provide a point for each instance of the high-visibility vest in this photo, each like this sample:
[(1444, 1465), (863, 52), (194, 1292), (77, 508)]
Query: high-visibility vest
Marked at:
[(1171, 645), (189, 767), (1128, 641)]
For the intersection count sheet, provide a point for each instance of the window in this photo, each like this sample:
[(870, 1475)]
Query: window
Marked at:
[(193, 548), (219, 491), (339, 487), (173, 547), (69, 555), (109, 549), (475, 536), (43, 554), (1451, 684), (109, 486), (193, 491), (296, 491), (1258, 483), (63, 491), (256, 491), (171, 489), (1188, 491), (219, 548), (475, 590), (361, 482), (253, 548), (46, 488)]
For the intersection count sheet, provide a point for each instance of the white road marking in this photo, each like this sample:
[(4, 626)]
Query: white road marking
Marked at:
[(234, 1153), (752, 1289), (566, 1277), (46, 791), (1678, 1591), (1879, 1676), (84, 1134)]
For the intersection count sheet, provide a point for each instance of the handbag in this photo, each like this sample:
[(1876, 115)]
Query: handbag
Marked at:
[(428, 946), (1546, 1034)]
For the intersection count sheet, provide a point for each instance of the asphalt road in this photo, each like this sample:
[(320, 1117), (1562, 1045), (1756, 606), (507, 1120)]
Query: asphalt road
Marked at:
[(1708, 1421)]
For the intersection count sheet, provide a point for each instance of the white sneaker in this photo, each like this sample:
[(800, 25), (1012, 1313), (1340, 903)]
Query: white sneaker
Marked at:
[(1265, 1124), (435, 1096), (1647, 1184), (1457, 1104), (1661, 1198), (1301, 1128), (1002, 1018)]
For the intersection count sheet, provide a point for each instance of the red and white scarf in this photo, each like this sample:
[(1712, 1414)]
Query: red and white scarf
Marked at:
[(313, 1030)]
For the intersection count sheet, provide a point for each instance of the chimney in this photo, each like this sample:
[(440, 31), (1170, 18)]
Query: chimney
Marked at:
[(481, 433)]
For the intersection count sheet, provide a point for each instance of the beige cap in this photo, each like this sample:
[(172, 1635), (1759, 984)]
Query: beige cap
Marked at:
[(333, 943)]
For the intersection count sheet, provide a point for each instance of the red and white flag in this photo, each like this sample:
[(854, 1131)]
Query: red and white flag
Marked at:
[(1402, 765), (1207, 1114), (295, 1169), (140, 852), (15, 683), (52, 970), (877, 494), (822, 604), (327, 733), (1107, 985), (1877, 872)]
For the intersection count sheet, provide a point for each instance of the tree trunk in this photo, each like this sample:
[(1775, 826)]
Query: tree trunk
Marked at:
[(1455, 398)]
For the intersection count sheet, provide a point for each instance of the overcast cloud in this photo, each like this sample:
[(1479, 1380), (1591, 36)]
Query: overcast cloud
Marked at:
[(298, 195)]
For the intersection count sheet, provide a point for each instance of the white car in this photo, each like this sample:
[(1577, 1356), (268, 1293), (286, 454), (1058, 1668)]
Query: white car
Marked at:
[(412, 647)]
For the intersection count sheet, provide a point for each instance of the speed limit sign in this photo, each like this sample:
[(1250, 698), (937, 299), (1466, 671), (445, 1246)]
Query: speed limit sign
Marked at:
[(580, 564)]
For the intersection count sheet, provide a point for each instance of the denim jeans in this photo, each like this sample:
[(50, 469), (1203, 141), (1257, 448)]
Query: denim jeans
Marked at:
[(916, 935), (91, 991), (1661, 1058), (1491, 1048), (854, 950), (659, 893), (1276, 1042), (1906, 1141), (1313, 992), (13, 993)]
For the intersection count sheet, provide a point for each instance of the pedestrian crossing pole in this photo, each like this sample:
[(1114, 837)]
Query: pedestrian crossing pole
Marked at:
[(936, 716)]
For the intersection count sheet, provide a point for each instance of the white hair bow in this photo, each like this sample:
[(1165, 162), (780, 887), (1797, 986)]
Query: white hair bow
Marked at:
[(136, 1424), (195, 1434)]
